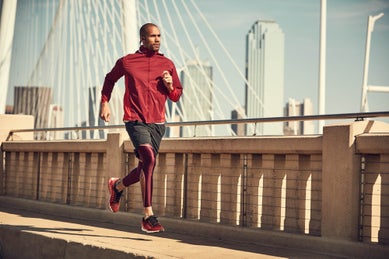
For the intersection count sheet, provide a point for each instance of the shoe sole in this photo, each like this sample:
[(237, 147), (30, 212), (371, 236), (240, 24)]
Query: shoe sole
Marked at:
[(151, 231), (109, 196)]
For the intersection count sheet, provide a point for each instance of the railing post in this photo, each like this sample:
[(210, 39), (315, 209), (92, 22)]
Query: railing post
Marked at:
[(2, 172), (231, 175), (37, 161), (341, 183), (115, 157), (341, 180), (185, 186), (194, 191), (295, 194), (254, 190), (269, 213), (209, 187), (383, 232)]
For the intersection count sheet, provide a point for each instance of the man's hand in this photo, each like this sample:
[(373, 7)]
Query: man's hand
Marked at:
[(167, 80), (105, 111)]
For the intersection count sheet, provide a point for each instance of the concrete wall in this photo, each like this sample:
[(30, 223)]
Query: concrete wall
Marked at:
[(11, 122), (303, 184), (341, 177)]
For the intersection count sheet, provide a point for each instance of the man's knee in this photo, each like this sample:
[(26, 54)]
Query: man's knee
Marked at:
[(146, 154)]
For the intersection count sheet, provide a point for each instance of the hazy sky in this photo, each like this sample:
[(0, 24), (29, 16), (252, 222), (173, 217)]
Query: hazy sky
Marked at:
[(300, 22)]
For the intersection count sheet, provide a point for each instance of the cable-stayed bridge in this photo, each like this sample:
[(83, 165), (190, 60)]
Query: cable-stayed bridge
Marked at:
[(79, 42)]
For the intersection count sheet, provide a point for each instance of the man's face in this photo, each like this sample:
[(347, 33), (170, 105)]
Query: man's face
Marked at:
[(152, 39)]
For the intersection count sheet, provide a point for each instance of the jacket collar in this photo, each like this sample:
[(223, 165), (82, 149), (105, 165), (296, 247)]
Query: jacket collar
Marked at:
[(147, 52)]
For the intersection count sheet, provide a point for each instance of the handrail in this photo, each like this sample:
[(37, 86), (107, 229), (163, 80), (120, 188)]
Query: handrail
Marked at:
[(357, 116)]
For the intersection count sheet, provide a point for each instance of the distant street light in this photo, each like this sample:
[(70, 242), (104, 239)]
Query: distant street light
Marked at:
[(365, 87)]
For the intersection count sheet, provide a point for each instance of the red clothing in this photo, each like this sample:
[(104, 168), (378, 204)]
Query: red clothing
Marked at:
[(145, 95)]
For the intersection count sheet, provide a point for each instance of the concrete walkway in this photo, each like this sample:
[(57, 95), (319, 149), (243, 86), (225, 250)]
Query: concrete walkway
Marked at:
[(31, 229)]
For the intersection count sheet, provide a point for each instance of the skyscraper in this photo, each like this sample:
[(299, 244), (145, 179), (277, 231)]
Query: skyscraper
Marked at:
[(55, 120), (34, 101), (295, 108), (238, 129), (265, 75), (93, 112), (197, 100)]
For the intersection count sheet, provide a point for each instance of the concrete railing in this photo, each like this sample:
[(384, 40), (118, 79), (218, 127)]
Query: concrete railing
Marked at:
[(333, 185), (374, 210)]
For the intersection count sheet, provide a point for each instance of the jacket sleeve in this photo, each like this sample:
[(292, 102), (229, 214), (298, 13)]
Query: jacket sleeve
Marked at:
[(110, 80), (177, 91)]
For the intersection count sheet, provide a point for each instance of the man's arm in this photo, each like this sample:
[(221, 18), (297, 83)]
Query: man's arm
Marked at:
[(109, 82)]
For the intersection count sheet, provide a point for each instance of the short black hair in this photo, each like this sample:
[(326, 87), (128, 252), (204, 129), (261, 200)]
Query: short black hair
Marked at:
[(143, 29)]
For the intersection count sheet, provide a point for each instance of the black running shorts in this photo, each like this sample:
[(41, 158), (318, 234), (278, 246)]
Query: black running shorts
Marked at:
[(145, 133)]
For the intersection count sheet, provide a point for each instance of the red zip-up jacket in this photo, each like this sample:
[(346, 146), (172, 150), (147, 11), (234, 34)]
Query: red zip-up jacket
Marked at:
[(145, 94)]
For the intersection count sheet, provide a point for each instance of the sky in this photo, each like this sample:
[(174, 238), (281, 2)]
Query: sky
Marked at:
[(300, 22)]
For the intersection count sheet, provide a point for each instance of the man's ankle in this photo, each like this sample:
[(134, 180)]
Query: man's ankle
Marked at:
[(116, 185)]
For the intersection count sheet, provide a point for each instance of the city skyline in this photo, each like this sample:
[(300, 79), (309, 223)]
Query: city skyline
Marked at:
[(300, 21)]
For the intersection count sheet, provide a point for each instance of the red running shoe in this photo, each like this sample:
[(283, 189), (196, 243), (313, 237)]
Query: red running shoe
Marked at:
[(151, 225), (114, 195)]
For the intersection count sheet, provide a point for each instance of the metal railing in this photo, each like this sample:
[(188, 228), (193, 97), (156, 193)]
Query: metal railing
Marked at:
[(341, 116)]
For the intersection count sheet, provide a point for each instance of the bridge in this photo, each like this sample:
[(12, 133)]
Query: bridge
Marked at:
[(313, 196), (318, 195)]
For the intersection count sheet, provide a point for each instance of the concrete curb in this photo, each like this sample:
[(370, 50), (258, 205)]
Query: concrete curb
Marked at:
[(37, 246)]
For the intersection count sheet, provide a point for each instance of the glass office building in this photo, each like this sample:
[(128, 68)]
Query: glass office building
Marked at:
[(197, 99), (265, 76)]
